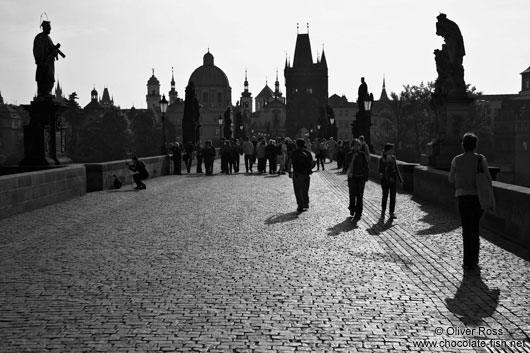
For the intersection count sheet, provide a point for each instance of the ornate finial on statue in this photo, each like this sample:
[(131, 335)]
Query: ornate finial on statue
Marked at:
[(41, 22), (297, 28), (307, 27)]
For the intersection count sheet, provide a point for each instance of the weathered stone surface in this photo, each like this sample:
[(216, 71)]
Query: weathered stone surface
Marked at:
[(225, 264)]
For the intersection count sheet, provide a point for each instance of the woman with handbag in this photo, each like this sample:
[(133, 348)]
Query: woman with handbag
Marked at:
[(357, 177), (390, 176), (464, 170)]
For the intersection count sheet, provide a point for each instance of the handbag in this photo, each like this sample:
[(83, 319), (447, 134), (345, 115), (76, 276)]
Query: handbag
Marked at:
[(484, 188)]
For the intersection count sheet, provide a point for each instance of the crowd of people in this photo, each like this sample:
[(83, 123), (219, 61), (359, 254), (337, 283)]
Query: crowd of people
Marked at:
[(295, 158)]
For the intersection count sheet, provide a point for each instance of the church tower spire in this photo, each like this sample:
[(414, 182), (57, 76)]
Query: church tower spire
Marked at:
[(277, 93), (246, 99), (153, 93), (384, 96), (172, 94), (245, 84), (323, 61), (58, 91), (172, 79)]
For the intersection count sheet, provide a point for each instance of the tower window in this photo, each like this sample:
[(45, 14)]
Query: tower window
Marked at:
[(527, 83), (205, 97), (309, 90), (220, 98)]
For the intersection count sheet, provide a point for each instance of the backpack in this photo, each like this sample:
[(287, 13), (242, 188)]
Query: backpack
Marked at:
[(303, 159), (117, 183)]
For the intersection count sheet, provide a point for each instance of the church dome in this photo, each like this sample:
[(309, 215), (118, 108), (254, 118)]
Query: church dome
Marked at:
[(208, 74), (94, 92), (153, 81)]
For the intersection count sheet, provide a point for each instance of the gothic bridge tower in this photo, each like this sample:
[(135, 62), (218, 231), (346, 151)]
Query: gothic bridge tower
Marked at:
[(306, 86)]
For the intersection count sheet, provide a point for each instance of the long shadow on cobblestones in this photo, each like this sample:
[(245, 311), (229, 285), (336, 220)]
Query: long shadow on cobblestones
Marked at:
[(281, 218), (473, 300), (438, 225), (342, 227), (380, 226)]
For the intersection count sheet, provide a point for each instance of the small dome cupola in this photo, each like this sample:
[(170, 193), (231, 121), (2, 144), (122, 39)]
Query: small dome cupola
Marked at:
[(208, 59)]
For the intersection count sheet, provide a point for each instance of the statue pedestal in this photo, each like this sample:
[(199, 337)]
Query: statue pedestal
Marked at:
[(44, 138), (451, 115)]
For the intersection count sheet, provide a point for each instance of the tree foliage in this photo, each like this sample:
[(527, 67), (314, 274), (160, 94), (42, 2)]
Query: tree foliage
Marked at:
[(72, 101), (146, 139), (190, 119), (414, 120), (104, 138)]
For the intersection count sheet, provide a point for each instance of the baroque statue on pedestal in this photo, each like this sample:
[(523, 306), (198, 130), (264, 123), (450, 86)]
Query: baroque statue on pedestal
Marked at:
[(450, 82)]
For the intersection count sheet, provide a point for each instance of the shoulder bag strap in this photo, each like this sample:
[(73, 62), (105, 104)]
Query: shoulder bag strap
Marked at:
[(479, 164)]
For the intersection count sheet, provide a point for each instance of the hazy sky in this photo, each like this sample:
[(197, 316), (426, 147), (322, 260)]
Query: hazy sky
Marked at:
[(116, 43)]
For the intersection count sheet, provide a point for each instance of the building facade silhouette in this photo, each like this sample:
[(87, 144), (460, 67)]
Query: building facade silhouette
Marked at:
[(306, 84)]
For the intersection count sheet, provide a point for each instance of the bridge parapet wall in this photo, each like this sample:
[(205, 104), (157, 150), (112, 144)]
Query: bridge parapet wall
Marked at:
[(511, 218), (27, 191), (100, 176)]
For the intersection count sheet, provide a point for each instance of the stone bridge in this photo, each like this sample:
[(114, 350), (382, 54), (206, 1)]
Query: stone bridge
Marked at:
[(225, 264)]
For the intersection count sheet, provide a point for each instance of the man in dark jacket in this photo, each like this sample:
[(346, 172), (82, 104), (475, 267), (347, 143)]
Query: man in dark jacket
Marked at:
[(270, 154), (208, 155), (188, 155), (302, 164), (357, 170), (140, 173), (176, 149)]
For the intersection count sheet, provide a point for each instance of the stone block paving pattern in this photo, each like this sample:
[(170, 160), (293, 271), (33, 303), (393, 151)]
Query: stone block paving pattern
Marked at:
[(226, 264)]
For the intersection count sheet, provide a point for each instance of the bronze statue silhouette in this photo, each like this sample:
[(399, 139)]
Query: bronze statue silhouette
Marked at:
[(450, 81), (362, 94), (45, 54)]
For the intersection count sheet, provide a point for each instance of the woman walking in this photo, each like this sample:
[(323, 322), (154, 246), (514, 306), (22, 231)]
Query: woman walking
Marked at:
[(390, 176), (260, 154), (357, 177), (464, 168), (270, 153)]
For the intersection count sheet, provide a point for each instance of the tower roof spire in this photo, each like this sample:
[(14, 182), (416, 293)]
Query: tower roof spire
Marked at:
[(323, 57), (302, 52), (246, 81), (384, 96)]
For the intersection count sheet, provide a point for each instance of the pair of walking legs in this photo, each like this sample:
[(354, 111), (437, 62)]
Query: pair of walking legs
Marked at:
[(356, 189), (470, 213)]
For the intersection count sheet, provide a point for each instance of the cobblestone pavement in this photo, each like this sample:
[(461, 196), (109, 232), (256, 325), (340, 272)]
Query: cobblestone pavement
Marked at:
[(225, 264)]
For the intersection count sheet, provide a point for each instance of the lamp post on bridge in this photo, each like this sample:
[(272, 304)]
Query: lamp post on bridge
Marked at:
[(163, 109), (368, 104)]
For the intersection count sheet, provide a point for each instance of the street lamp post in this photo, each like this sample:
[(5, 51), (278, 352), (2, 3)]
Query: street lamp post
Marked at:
[(332, 126), (368, 104), (220, 122), (163, 109)]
